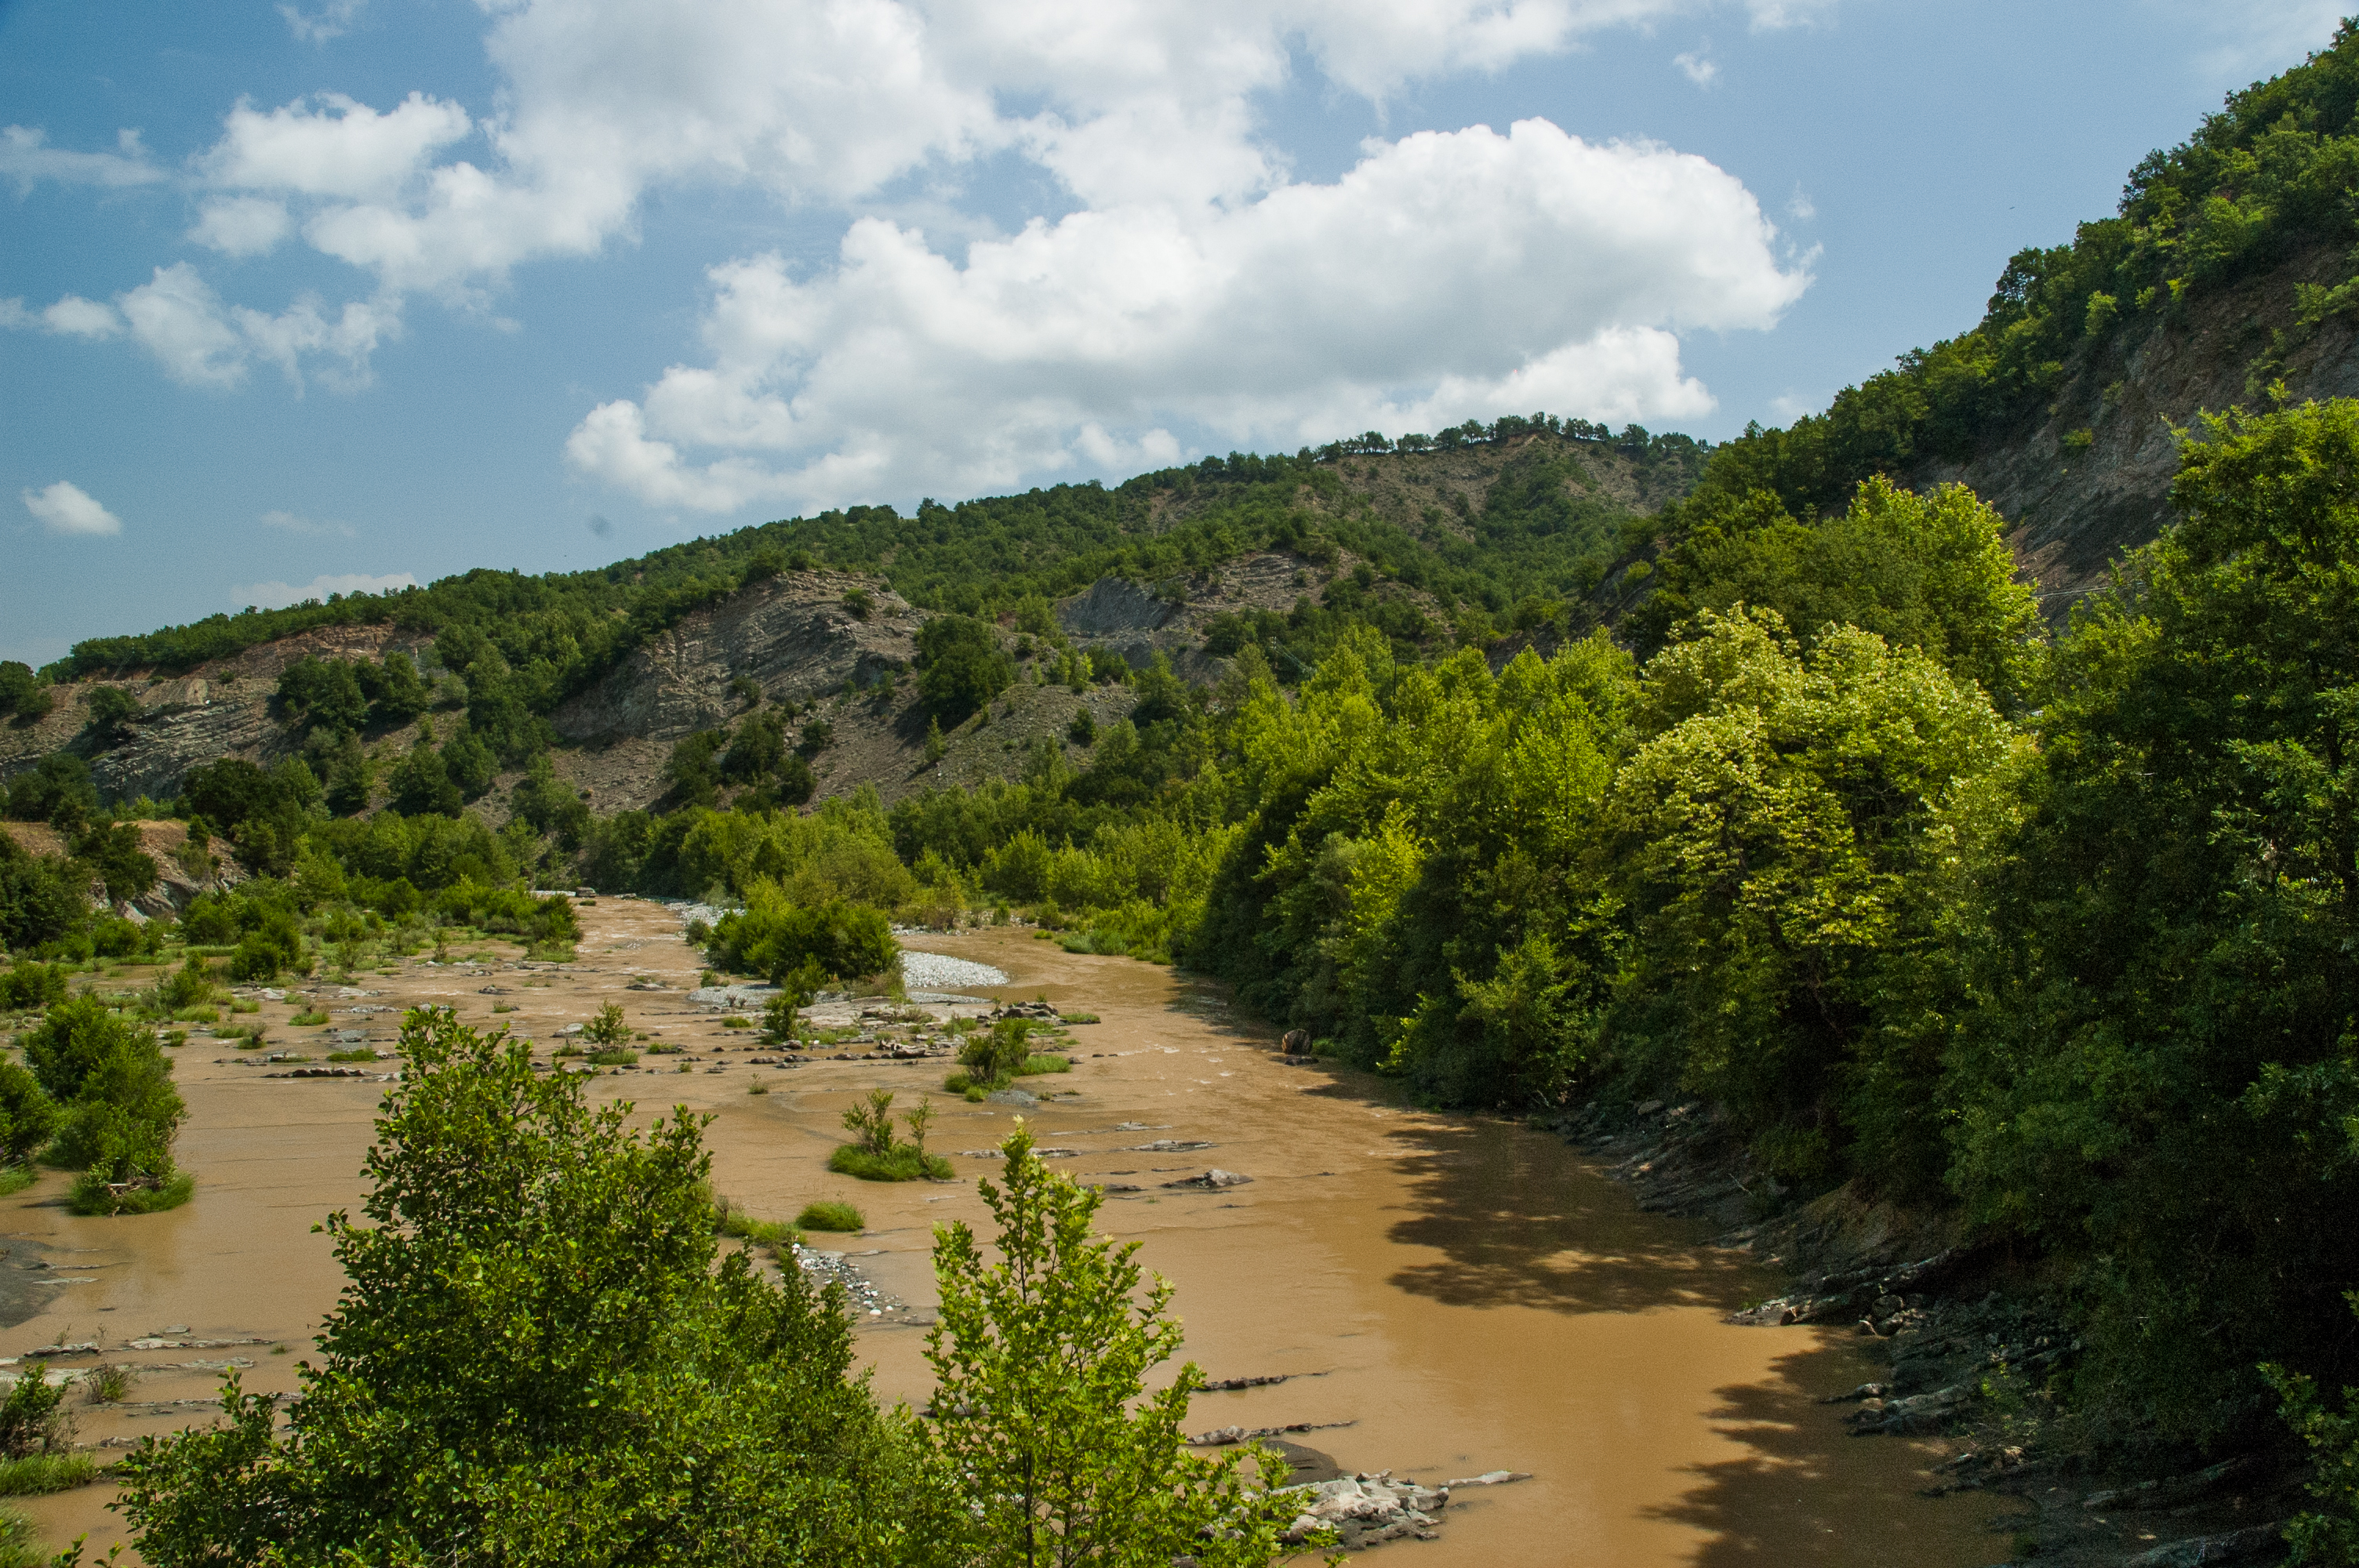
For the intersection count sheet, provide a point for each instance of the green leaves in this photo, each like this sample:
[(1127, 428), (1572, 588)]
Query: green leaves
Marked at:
[(1040, 1415), (534, 1311)]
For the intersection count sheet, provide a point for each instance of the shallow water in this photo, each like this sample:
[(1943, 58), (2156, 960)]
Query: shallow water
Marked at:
[(1465, 1294)]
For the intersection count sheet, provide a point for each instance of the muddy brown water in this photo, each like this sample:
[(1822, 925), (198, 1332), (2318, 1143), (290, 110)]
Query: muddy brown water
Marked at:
[(1457, 1295)]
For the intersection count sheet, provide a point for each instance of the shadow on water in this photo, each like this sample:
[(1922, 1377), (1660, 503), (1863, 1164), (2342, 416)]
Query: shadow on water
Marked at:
[(1520, 1222), (1779, 1500)]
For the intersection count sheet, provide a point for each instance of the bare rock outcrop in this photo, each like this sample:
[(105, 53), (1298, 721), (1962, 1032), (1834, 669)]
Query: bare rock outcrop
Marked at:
[(794, 636)]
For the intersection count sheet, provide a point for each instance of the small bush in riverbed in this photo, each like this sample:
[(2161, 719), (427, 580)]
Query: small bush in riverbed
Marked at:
[(33, 1418), (308, 1018), (608, 1028), (614, 1058), (830, 1215), (92, 1194), (107, 1384), (37, 1473), (736, 1023), (879, 1156)]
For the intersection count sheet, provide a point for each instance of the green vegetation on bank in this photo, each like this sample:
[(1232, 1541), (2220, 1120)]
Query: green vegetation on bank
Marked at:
[(537, 1307)]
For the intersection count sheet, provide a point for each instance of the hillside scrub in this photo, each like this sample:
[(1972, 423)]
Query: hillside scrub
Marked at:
[(2269, 174)]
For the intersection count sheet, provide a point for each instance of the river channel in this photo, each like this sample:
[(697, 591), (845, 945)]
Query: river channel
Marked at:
[(1446, 1295)]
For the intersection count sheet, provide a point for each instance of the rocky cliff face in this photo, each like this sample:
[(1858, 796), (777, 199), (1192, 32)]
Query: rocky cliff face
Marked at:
[(219, 710), (796, 636), (2078, 508)]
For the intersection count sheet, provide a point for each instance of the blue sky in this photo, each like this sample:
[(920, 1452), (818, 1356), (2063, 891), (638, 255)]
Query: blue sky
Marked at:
[(339, 292)]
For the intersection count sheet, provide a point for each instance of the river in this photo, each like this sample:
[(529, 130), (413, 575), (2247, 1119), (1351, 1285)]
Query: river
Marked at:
[(1456, 1294)]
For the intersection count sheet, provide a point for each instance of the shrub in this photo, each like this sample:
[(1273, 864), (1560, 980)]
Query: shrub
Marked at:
[(881, 1157), (28, 985), (33, 1418), (28, 1117), (615, 1058), (776, 939), (995, 1058), (107, 1384), (830, 1213), (609, 1028)]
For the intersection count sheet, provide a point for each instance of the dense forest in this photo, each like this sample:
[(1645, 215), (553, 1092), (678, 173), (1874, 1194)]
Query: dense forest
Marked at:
[(1784, 798)]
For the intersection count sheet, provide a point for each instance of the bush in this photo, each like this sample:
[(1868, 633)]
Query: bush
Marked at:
[(904, 1164), (614, 1058), (33, 1418), (830, 1215), (879, 1156), (993, 1059), (28, 1117), (121, 1111), (962, 667), (28, 985), (609, 1028), (773, 938)]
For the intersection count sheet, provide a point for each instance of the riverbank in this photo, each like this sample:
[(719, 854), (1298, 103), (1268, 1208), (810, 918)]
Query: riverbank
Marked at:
[(1968, 1341), (1447, 1296)]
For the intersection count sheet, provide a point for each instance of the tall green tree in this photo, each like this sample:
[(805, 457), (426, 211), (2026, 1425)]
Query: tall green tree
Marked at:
[(538, 1360), (2165, 1082), (1041, 1416)]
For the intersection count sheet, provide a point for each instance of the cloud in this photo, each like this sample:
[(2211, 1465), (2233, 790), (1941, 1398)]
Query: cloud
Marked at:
[(1800, 207), (1772, 16), (1447, 275), (601, 525), (242, 225), (1696, 69), (2241, 37), (27, 159), (290, 523), (276, 595), (333, 20), (66, 508)]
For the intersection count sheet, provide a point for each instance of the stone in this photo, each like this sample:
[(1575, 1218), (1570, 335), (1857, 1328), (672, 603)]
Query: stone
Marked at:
[(1210, 1180)]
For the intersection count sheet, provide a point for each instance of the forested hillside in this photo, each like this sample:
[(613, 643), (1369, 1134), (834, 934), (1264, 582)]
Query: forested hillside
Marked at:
[(1550, 766)]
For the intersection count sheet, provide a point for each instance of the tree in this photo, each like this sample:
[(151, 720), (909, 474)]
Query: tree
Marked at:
[(2163, 1081), (119, 1111), (323, 694), (41, 900), (57, 790), (1041, 1416), (421, 784), (534, 1311), (961, 666), (112, 850), (777, 938), (23, 693), (111, 709)]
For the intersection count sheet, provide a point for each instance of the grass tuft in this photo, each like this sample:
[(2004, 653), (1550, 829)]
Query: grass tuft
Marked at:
[(37, 1473), (615, 1058), (830, 1213)]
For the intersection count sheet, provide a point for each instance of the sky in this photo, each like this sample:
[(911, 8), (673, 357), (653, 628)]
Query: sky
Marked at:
[(331, 295)]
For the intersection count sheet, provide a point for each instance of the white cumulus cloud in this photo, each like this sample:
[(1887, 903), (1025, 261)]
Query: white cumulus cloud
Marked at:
[(1448, 275), (176, 317), (67, 508), (242, 225), (278, 595)]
